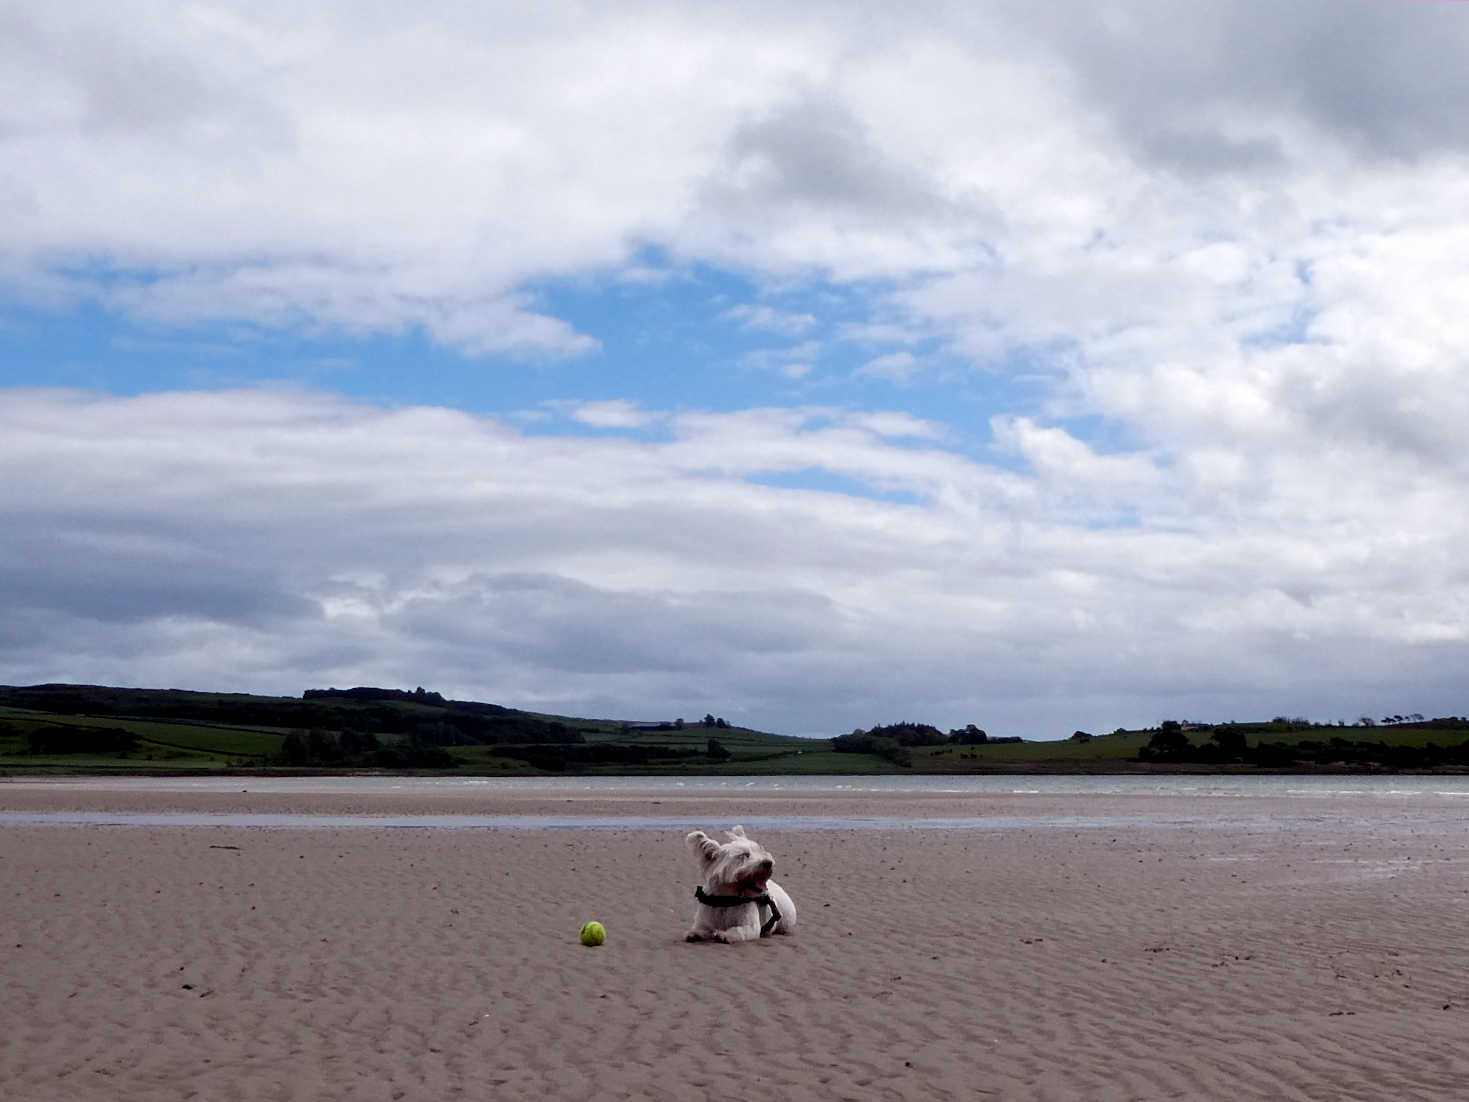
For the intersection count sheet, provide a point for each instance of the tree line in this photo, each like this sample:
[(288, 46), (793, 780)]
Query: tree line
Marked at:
[(1230, 746), (893, 741), (60, 739), (419, 715), (345, 749)]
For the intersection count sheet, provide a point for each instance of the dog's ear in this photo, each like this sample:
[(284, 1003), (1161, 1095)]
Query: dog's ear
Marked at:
[(737, 832), (702, 846)]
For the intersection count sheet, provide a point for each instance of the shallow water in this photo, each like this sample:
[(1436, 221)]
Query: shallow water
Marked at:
[(1415, 800), (1276, 786), (288, 821)]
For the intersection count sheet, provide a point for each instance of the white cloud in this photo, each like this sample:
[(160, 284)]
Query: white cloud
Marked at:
[(793, 361), (613, 414), (1012, 171), (767, 319), (439, 159), (314, 297), (897, 425), (1220, 248), (899, 367), (881, 332), (313, 541)]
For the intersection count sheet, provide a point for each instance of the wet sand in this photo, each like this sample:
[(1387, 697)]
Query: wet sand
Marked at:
[(1098, 947)]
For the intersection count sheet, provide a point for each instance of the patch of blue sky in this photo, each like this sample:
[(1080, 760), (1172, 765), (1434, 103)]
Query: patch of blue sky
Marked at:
[(817, 480), (669, 336), (697, 337), (88, 347), (1104, 435), (72, 349), (666, 342)]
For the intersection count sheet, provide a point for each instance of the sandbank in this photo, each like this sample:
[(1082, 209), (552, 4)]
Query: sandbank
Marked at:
[(1020, 948)]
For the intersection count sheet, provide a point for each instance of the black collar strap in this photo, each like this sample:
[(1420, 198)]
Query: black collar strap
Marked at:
[(740, 901)]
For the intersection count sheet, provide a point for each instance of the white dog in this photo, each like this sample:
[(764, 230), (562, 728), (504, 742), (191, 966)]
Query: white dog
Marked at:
[(737, 901)]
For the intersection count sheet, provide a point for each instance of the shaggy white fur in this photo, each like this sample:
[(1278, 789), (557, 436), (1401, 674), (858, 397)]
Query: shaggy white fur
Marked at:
[(740, 868)]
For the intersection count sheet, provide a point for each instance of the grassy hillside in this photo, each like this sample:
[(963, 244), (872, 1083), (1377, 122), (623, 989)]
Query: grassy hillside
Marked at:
[(74, 728), (160, 744), (1105, 753), (49, 728), (1243, 747)]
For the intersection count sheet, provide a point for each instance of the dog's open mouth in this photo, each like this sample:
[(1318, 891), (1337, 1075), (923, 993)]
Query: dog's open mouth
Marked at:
[(753, 886)]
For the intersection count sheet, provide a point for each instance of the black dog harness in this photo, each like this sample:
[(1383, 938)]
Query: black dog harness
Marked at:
[(740, 901)]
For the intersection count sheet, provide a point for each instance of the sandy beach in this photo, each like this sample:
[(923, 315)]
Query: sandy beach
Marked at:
[(1074, 948)]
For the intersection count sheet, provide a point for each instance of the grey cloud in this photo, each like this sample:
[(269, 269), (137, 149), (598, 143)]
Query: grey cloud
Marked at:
[(1209, 87), (1207, 152), (1377, 407), (1392, 75), (558, 623), (417, 544), (115, 78), (637, 579), (811, 153), (113, 572)]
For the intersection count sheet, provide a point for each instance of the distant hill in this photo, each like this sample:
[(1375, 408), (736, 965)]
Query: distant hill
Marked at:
[(69, 726), (382, 711), (63, 727)]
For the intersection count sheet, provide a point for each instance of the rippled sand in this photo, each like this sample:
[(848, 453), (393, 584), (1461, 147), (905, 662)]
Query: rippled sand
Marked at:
[(1049, 948)]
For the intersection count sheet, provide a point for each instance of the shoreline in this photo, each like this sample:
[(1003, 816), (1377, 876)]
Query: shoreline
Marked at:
[(998, 769), (694, 801)]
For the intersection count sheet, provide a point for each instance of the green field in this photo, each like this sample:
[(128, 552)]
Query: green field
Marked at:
[(1105, 752), (161, 744)]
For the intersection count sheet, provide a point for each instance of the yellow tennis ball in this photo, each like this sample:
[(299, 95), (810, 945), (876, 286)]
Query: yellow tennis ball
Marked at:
[(593, 934)]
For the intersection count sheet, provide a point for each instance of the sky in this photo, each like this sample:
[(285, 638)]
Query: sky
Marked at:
[(817, 366)]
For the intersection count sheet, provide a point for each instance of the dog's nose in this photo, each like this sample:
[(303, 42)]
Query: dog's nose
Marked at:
[(767, 867)]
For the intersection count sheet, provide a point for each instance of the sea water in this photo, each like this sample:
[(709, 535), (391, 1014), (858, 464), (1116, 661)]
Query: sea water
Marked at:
[(1438, 794)]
